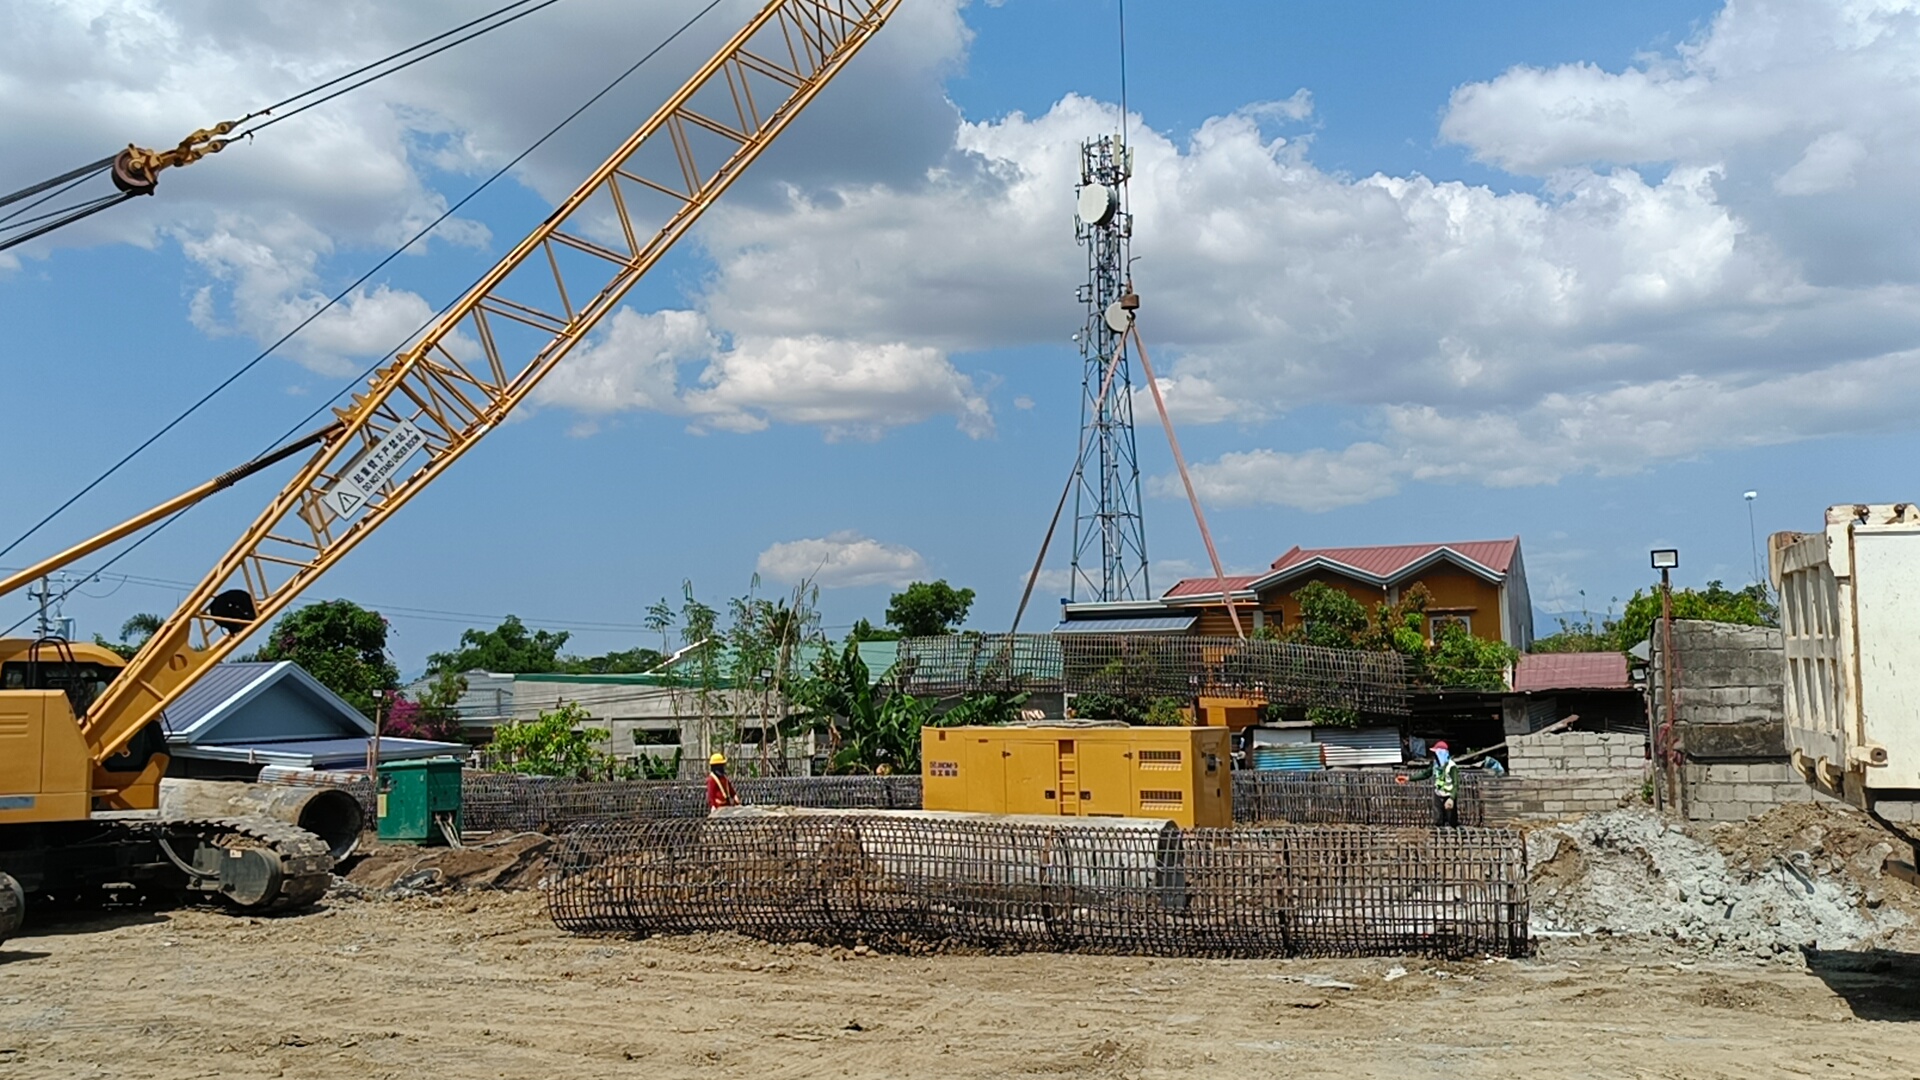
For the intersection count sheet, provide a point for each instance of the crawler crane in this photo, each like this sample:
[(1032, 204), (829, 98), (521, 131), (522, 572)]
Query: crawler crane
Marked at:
[(82, 745)]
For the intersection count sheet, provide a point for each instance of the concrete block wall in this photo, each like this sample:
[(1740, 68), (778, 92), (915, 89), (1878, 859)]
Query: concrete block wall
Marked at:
[(1737, 791), (1516, 799), (1575, 753), (1729, 716), (1566, 774), (1728, 674)]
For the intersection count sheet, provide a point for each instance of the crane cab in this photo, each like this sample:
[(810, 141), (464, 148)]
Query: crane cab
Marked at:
[(46, 767)]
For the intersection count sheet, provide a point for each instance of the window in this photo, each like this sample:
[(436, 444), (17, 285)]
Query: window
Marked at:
[(1437, 623)]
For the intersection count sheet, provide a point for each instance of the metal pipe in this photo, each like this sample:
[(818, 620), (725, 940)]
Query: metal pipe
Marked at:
[(330, 813)]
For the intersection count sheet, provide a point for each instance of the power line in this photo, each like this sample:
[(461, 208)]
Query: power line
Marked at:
[(223, 135), (342, 294), (249, 365)]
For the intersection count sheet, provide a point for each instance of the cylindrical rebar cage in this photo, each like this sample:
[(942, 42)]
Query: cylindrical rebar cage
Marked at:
[(1127, 887)]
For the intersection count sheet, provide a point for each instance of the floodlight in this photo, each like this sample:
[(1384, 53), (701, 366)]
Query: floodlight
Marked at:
[(1666, 558)]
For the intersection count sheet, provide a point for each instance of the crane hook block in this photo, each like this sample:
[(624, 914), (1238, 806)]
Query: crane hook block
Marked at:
[(136, 170)]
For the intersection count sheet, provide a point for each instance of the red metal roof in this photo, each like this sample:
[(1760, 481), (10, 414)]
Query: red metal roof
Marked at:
[(1572, 671), (1385, 563), (1207, 586), (1388, 560)]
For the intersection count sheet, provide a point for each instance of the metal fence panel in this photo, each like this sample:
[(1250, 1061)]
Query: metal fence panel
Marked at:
[(531, 803), (1144, 665), (1108, 887), (1340, 797)]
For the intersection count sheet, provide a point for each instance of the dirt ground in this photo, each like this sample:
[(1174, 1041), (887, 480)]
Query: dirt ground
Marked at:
[(472, 985)]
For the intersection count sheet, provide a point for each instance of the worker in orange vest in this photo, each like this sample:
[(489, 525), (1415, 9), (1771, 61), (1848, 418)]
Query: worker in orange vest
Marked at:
[(720, 789)]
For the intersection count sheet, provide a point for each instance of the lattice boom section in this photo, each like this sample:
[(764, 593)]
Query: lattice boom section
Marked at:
[(1150, 665), (1126, 887)]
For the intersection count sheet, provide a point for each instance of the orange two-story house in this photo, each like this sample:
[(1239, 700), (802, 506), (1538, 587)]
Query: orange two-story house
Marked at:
[(1480, 584)]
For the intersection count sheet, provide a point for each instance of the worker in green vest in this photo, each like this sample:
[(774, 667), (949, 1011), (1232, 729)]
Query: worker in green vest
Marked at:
[(1446, 787)]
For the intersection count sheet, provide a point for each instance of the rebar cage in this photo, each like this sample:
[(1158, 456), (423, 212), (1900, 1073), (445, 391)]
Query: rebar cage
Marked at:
[(1342, 797), (503, 801), (1147, 665), (1112, 886)]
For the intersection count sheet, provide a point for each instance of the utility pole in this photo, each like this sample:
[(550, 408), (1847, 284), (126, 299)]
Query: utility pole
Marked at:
[(50, 618), (1666, 560)]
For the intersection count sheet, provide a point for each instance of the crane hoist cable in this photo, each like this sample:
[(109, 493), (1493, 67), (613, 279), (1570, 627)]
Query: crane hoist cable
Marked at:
[(136, 170), (336, 298)]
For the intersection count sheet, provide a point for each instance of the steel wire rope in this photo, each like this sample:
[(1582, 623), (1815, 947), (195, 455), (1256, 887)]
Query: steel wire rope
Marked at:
[(88, 172), (337, 297), (84, 172), (60, 184), (72, 214), (274, 118)]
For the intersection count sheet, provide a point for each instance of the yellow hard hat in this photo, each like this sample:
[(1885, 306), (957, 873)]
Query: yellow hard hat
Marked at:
[(717, 759)]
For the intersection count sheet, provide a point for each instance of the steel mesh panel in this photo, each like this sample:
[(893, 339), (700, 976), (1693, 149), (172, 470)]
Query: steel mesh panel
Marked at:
[(1334, 797), (493, 801), (1141, 665), (1127, 887)]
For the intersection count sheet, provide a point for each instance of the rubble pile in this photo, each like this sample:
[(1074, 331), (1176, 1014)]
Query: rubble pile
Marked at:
[(1801, 877)]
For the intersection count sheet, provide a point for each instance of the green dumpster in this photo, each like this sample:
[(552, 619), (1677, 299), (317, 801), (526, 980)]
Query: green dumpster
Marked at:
[(419, 801)]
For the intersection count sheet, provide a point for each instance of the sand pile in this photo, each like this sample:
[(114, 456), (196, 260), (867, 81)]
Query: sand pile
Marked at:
[(1801, 877)]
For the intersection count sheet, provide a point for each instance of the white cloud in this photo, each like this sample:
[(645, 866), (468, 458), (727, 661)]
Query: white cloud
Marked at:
[(1685, 247), (852, 389), (849, 389), (633, 363), (843, 559), (1716, 227), (276, 224), (1309, 480)]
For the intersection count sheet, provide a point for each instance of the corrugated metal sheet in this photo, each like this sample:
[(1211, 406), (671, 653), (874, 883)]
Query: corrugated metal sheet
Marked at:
[(317, 753), (1572, 671), (1270, 736), (1360, 746), (1293, 757), (215, 688), (1386, 560), (1159, 624), (1209, 586)]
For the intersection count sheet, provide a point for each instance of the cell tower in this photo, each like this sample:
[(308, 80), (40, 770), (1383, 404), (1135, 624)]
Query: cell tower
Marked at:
[(1109, 535)]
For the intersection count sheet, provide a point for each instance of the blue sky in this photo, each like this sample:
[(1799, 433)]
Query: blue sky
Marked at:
[(1441, 271)]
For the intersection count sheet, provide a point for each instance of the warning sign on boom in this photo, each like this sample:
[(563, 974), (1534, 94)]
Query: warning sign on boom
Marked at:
[(373, 469)]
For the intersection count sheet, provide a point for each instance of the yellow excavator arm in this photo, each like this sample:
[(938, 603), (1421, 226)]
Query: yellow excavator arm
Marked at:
[(484, 355)]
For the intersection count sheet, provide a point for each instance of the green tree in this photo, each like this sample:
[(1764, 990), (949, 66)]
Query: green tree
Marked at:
[(866, 631), (1588, 635), (435, 716), (1332, 619), (508, 648), (872, 729), (623, 662), (1460, 660), (928, 608), (133, 634), (1751, 606), (341, 644), (554, 745)]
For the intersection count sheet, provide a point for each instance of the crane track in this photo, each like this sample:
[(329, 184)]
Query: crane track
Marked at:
[(306, 864)]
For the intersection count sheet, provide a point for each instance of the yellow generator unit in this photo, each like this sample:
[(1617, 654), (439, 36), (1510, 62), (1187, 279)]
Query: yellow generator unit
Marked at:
[(1175, 773)]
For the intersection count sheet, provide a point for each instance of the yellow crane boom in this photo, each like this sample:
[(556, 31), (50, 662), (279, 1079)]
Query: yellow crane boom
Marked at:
[(484, 355)]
